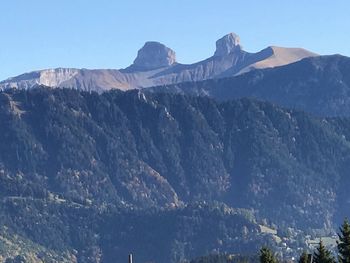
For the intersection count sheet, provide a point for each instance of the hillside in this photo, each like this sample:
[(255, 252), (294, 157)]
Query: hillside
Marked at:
[(318, 85), (90, 173)]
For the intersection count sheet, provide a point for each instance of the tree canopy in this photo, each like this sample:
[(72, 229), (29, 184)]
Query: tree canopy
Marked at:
[(322, 254), (267, 256), (344, 242)]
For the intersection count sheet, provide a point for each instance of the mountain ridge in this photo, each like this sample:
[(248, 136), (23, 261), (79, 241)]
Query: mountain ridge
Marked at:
[(156, 64), (318, 85)]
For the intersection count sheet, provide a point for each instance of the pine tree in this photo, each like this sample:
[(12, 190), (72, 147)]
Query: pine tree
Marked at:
[(267, 256), (344, 242), (304, 257), (323, 255)]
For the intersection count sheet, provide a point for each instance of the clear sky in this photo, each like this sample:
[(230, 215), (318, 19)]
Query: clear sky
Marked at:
[(38, 34)]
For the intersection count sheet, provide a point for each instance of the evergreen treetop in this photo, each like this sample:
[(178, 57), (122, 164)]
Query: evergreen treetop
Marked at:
[(323, 255), (304, 257), (267, 256), (344, 242)]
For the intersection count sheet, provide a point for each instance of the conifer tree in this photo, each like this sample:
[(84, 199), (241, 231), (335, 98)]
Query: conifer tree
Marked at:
[(267, 256), (344, 242), (322, 254), (304, 257)]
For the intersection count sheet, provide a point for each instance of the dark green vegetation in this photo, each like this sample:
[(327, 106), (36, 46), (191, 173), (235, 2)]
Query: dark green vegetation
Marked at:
[(267, 256), (344, 242), (92, 177), (304, 257), (321, 254), (226, 258), (319, 85)]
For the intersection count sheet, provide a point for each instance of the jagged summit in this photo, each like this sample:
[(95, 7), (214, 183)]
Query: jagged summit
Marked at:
[(227, 44), (156, 65), (154, 55)]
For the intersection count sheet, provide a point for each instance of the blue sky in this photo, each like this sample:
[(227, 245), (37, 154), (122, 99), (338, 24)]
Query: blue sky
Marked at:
[(40, 34)]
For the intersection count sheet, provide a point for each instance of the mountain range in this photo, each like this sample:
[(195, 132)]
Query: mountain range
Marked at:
[(318, 85), (174, 161), (156, 64), (88, 177)]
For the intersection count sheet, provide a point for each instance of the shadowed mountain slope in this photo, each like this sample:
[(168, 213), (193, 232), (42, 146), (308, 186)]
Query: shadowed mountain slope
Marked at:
[(318, 85), (91, 177)]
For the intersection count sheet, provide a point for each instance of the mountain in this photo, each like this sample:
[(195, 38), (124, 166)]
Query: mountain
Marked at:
[(318, 85), (91, 177), (156, 64)]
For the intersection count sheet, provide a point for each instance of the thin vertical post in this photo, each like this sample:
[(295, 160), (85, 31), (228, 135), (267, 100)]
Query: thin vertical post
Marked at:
[(310, 258), (130, 258)]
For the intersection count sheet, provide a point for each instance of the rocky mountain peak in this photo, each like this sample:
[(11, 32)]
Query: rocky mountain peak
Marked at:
[(227, 44), (154, 55), (154, 66)]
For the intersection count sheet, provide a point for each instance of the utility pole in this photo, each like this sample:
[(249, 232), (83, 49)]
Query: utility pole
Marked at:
[(130, 258)]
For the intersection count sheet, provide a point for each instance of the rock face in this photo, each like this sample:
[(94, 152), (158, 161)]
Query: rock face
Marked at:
[(227, 44), (154, 55), (53, 77), (156, 65)]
